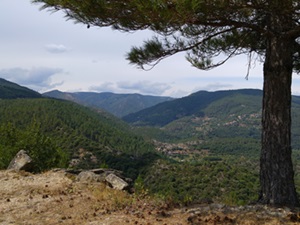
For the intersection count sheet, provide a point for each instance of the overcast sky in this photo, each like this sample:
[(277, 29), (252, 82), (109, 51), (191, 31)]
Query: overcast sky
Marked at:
[(43, 51)]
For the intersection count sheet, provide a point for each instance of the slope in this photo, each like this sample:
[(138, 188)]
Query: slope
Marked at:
[(92, 138), (10, 90)]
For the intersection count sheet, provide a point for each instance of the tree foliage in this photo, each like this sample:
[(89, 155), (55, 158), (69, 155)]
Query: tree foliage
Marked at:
[(10, 90), (42, 149), (232, 181), (203, 29)]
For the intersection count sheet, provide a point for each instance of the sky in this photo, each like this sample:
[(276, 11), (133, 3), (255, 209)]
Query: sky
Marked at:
[(43, 51)]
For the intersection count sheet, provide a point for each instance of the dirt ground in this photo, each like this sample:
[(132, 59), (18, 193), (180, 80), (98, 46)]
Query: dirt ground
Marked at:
[(55, 197)]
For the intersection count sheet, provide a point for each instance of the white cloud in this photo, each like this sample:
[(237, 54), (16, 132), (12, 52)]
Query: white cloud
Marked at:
[(214, 87), (105, 87), (147, 87), (37, 78), (54, 48), (142, 87), (178, 93)]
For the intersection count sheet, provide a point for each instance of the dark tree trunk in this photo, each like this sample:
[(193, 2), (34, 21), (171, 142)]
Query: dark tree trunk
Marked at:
[(276, 169)]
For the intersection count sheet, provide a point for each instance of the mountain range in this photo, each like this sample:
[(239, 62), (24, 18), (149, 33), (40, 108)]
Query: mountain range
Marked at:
[(215, 120), (117, 104), (218, 120), (194, 104)]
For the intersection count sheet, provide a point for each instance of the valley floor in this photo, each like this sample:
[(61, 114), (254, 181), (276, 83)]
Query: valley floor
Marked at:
[(55, 197)]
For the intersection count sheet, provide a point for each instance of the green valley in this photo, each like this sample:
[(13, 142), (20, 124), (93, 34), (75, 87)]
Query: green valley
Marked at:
[(198, 149)]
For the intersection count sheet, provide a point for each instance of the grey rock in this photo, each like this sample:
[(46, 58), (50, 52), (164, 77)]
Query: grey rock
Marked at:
[(21, 161), (116, 182), (89, 177)]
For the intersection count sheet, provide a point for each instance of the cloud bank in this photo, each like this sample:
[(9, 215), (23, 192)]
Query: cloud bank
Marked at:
[(37, 78), (142, 87)]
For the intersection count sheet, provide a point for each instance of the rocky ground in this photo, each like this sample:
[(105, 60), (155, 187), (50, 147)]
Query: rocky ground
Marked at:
[(55, 197)]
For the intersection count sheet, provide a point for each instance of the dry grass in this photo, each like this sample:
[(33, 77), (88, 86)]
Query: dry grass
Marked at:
[(113, 199), (56, 198)]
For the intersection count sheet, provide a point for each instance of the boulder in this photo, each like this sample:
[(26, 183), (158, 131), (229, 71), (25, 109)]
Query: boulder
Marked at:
[(112, 178), (116, 182), (89, 177), (21, 161)]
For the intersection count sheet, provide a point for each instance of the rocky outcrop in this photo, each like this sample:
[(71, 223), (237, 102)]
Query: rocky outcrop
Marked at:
[(89, 177), (116, 182), (21, 161), (113, 178)]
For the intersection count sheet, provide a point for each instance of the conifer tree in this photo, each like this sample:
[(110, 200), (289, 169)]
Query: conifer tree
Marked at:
[(205, 29)]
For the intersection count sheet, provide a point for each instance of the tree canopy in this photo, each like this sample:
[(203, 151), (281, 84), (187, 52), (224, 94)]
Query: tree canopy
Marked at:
[(203, 29), (208, 30)]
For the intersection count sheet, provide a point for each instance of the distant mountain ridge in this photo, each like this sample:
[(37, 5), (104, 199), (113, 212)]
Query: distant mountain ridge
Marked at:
[(10, 90), (118, 104), (193, 104)]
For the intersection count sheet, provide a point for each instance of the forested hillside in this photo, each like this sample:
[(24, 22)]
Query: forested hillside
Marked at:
[(118, 104), (218, 123), (88, 137), (11, 90), (194, 104)]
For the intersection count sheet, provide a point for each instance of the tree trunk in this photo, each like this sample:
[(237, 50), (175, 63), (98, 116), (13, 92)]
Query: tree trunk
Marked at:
[(276, 169)]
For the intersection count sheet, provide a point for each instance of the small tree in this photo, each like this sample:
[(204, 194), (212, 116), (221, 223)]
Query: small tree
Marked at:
[(206, 29), (41, 148), (8, 141)]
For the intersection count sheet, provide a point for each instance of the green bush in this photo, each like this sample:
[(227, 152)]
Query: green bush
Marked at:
[(41, 149), (230, 181)]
